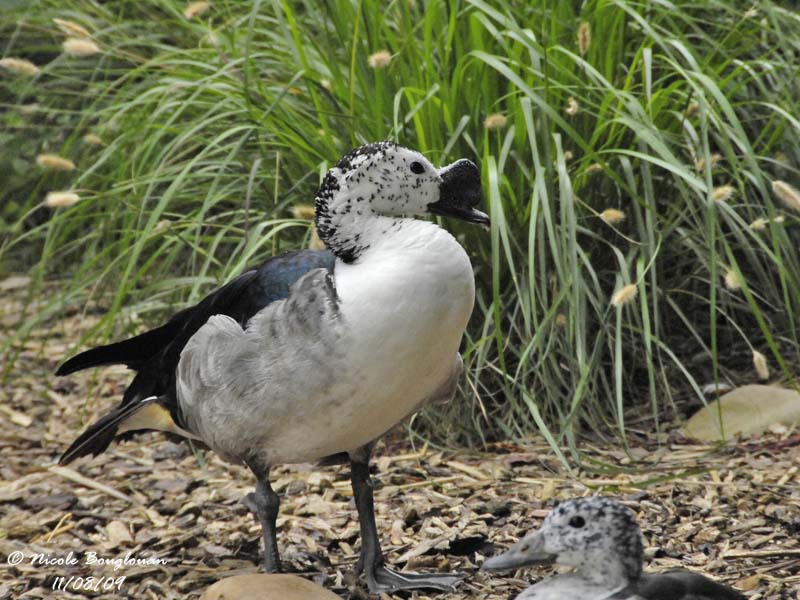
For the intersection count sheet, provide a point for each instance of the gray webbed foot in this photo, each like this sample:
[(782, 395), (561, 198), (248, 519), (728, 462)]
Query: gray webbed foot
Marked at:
[(385, 580)]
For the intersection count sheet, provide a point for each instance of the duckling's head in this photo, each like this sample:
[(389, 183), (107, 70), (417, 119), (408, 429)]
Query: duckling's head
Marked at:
[(598, 536)]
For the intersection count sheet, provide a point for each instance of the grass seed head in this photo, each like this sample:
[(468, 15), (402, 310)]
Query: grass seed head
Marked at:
[(92, 139), (761, 366), (722, 193), (61, 199), (380, 59), (759, 224), (306, 212), (495, 121), (195, 9), (612, 216), (316, 242), (779, 219), (561, 320), (326, 84), (584, 37), (303, 211), (80, 47), (72, 29), (19, 66), (594, 168), (212, 38), (787, 194), (732, 281), (700, 163), (572, 107), (624, 295), (162, 226), (55, 162)]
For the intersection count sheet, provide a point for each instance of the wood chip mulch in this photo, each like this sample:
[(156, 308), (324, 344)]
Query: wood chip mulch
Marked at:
[(731, 513)]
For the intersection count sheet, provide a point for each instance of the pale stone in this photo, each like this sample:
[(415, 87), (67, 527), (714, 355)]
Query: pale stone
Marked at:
[(118, 534), (747, 410), (14, 282), (264, 586)]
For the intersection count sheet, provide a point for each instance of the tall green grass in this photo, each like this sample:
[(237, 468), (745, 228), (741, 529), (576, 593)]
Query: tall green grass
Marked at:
[(215, 126)]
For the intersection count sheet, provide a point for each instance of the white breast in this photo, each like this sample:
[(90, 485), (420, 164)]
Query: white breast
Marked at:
[(406, 307), (407, 311)]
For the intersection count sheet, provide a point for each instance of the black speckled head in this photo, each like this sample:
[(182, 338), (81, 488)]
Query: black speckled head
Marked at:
[(588, 532), (597, 535), (384, 179)]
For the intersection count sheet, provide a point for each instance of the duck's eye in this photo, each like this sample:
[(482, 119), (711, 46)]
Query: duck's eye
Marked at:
[(417, 168), (577, 522)]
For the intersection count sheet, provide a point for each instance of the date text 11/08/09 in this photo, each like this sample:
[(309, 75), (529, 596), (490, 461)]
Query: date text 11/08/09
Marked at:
[(88, 584)]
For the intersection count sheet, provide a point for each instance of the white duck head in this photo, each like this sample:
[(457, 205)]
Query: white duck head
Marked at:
[(376, 186)]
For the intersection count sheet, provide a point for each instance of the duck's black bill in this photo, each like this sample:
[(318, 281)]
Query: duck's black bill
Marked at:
[(470, 215), (459, 193)]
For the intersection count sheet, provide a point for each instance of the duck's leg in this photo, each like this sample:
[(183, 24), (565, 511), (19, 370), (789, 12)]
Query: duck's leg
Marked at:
[(379, 577), (264, 504)]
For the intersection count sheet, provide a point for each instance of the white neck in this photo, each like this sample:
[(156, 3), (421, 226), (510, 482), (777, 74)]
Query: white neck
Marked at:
[(353, 236)]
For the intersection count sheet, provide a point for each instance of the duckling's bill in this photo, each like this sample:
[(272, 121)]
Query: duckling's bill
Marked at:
[(530, 550)]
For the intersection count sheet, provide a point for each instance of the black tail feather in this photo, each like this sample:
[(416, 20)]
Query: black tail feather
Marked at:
[(102, 432), (133, 352)]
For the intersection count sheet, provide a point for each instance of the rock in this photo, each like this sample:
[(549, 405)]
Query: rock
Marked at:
[(264, 586), (118, 534), (14, 282), (747, 410)]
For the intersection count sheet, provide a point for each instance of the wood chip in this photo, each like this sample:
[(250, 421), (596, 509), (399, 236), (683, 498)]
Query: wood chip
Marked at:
[(68, 473)]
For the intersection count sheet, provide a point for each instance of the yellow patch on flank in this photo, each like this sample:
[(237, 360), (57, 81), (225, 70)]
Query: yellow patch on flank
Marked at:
[(153, 416)]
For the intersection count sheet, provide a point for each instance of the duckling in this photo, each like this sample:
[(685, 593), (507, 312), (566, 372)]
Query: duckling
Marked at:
[(601, 539)]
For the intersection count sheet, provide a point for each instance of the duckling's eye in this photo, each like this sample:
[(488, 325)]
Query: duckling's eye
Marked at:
[(577, 522), (417, 168)]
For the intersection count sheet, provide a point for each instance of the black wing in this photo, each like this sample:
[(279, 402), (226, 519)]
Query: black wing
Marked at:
[(155, 353), (683, 585)]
